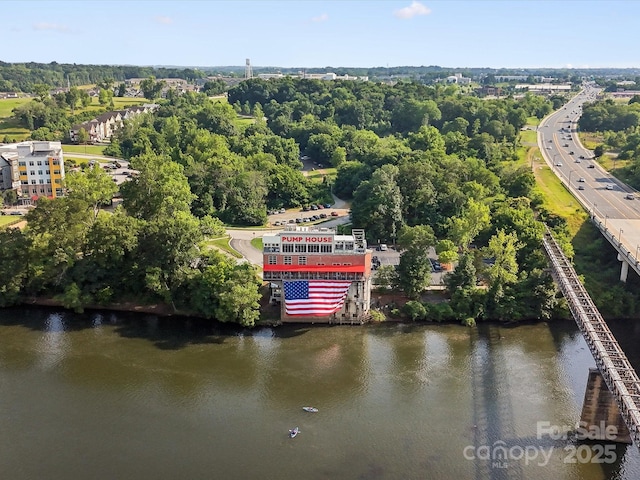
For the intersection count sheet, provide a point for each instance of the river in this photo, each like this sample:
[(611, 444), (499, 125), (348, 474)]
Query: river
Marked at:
[(129, 396)]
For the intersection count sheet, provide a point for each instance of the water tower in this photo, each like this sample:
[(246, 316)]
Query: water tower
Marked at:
[(248, 73)]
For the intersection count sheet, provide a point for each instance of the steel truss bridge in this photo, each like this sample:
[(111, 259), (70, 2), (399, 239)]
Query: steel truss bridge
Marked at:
[(618, 374)]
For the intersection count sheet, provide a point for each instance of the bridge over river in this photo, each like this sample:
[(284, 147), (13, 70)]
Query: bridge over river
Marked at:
[(618, 374)]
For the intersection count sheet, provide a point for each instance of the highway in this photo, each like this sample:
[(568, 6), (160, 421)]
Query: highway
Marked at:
[(602, 195)]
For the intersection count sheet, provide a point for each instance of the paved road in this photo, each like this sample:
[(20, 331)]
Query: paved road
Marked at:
[(557, 138)]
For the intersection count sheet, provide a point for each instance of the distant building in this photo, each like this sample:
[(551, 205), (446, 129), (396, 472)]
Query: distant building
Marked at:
[(104, 126), (458, 79), (624, 93), (32, 169), (318, 275), (544, 87)]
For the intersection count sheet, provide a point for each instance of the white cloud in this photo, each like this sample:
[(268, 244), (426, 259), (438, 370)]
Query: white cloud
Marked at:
[(56, 27), (163, 19), (413, 10), (320, 18)]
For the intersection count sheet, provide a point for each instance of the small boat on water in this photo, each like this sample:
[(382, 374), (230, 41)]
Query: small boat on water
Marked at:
[(310, 409), (293, 432)]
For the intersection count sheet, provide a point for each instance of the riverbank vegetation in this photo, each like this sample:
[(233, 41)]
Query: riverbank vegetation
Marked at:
[(423, 167)]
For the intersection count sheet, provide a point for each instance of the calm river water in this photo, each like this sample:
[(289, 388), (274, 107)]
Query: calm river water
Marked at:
[(122, 396)]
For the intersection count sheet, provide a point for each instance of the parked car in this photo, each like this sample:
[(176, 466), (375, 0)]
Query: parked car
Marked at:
[(609, 186), (334, 214), (327, 205), (591, 165), (383, 247), (630, 196)]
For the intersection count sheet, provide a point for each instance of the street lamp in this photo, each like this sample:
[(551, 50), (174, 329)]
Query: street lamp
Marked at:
[(620, 237), (593, 209), (570, 173), (605, 221), (637, 253)]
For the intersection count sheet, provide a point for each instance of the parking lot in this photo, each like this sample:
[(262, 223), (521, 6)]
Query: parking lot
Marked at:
[(392, 257)]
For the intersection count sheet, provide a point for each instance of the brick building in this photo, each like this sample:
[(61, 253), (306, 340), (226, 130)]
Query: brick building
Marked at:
[(318, 275)]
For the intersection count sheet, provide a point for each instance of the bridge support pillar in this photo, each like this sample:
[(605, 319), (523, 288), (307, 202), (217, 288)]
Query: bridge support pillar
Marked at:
[(600, 414), (624, 270)]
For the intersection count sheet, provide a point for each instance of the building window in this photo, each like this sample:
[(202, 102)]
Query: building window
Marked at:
[(32, 172), (33, 182), (39, 172), (348, 245), (39, 162), (56, 162), (339, 246), (287, 248), (302, 260), (301, 248), (325, 248), (287, 260), (41, 180), (56, 172), (24, 182), (31, 163), (48, 172), (313, 248), (42, 190), (22, 164), (58, 180), (272, 260)]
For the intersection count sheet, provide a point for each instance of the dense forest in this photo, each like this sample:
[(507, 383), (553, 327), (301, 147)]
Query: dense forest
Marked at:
[(23, 77), (424, 166), (619, 124)]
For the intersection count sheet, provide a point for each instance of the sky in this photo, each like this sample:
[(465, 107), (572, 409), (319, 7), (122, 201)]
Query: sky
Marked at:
[(329, 33)]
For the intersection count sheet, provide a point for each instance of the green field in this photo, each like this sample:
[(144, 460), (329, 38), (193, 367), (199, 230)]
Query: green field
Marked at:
[(558, 200), (529, 136), (88, 149), (6, 220), (257, 243), (533, 121), (223, 244), (8, 127)]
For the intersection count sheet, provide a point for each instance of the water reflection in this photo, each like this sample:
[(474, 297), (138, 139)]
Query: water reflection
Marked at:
[(182, 398)]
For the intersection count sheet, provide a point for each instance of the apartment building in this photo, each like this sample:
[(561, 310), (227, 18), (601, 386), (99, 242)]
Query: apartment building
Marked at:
[(32, 169)]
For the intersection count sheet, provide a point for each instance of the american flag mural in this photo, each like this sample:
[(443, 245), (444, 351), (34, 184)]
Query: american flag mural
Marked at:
[(314, 298)]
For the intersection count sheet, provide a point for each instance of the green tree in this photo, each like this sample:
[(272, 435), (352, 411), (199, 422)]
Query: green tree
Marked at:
[(93, 186), (83, 136), (502, 249), (377, 205), (151, 88), (41, 91), (161, 188), (414, 272)]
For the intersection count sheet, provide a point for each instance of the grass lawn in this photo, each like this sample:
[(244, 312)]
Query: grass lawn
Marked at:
[(590, 140), (529, 136), (223, 244), (88, 149), (316, 176), (8, 104), (244, 122), (533, 121), (558, 200), (257, 243), (8, 126), (6, 220)]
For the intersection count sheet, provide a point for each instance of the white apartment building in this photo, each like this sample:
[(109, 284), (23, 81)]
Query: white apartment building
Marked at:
[(32, 169)]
